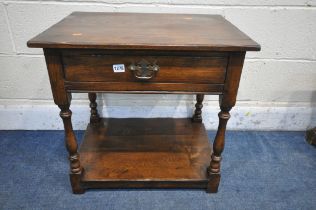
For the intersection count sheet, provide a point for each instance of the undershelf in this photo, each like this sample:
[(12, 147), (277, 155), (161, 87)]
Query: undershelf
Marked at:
[(151, 153)]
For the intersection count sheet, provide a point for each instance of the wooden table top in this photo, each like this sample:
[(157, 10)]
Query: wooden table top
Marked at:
[(93, 30)]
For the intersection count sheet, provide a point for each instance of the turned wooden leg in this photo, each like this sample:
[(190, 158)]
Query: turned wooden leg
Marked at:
[(197, 117), (218, 147), (71, 145), (94, 117)]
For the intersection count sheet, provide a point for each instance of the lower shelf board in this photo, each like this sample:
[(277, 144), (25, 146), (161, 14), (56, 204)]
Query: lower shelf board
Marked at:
[(145, 153)]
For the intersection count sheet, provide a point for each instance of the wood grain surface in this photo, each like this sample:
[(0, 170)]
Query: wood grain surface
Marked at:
[(173, 69), (133, 150), (195, 54), (144, 31)]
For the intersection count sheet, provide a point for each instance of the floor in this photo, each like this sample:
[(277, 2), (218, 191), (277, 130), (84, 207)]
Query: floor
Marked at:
[(260, 170)]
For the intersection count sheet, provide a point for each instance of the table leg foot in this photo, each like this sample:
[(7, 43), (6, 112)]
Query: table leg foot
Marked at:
[(75, 184), (213, 183), (311, 136)]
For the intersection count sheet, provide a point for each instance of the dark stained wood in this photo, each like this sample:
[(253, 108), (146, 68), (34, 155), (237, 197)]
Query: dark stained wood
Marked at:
[(196, 54), (311, 136), (197, 117), (144, 31), (227, 101), (94, 116), (135, 150), (233, 74), (218, 147), (135, 52), (56, 77), (148, 184), (98, 68), (143, 87), (63, 99), (71, 145)]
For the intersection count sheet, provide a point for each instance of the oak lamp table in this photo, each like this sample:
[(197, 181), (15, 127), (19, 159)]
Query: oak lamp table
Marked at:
[(144, 53)]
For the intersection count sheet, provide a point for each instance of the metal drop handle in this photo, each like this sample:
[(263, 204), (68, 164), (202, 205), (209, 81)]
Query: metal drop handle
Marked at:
[(143, 70)]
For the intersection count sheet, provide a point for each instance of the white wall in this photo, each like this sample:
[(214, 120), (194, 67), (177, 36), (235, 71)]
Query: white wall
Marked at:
[(278, 87)]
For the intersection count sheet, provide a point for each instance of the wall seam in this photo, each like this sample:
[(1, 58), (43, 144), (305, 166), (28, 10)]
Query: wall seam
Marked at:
[(118, 4), (247, 59), (9, 28)]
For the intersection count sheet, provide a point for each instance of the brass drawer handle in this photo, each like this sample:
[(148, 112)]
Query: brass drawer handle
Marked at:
[(144, 70)]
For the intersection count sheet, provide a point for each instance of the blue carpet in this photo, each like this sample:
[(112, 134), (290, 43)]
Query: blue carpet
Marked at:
[(261, 170)]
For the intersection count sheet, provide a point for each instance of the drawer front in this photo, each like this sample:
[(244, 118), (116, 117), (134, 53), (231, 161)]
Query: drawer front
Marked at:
[(169, 69)]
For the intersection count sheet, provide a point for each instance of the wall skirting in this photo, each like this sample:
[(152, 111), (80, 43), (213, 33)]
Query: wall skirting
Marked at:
[(44, 115)]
